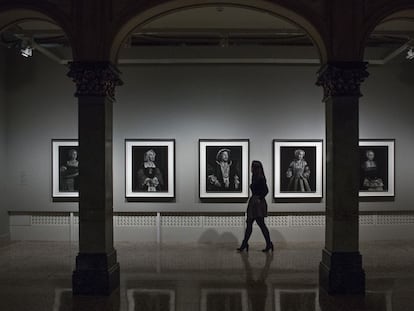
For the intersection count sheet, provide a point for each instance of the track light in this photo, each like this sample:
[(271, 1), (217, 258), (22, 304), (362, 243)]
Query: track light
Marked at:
[(26, 47), (410, 53), (27, 52)]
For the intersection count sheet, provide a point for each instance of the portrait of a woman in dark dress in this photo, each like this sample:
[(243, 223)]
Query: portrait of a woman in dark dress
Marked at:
[(150, 177), (69, 172), (298, 173), (370, 172)]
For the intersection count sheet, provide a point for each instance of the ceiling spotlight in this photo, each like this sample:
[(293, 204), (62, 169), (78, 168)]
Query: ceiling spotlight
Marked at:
[(26, 47), (26, 52), (410, 53)]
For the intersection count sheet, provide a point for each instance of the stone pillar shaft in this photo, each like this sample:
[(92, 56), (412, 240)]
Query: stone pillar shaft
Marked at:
[(341, 266), (97, 269)]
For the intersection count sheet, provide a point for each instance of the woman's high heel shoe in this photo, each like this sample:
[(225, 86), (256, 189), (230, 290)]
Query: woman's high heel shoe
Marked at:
[(243, 247), (268, 248)]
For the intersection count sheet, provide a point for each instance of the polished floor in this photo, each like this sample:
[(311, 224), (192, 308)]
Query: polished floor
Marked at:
[(36, 276)]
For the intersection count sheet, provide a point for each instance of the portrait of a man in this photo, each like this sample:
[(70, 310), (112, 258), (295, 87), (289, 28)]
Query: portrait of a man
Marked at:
[(224, 168)]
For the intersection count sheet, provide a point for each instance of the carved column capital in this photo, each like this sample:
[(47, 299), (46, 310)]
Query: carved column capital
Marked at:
[(342, 78), (94, 78)]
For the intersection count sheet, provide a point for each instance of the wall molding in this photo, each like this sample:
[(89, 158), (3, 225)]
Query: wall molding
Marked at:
[(206, 227), (206, 220)]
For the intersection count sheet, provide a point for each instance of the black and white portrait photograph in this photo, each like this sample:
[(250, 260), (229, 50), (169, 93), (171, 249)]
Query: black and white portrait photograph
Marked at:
[(224, 168), (65, 169), (297, 169), (150, 168), (376, 168)]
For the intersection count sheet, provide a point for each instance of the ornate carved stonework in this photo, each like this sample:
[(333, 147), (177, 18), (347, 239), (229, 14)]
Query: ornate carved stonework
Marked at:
[(94, 78), (342, 78)]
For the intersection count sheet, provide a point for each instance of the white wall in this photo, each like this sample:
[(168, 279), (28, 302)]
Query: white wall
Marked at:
[(189, 102), (386, 111), (4, 225), (41, 107)]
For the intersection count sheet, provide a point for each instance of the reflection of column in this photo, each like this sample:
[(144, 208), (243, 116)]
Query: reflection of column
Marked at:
[(341, 267), (97, 269)]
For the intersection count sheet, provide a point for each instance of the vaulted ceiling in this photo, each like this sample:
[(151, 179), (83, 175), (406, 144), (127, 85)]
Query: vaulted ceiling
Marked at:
[(216, 34)]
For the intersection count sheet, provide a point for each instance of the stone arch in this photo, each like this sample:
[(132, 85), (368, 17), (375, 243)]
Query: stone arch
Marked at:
[(383, 14), (19, 13), (141, 17)]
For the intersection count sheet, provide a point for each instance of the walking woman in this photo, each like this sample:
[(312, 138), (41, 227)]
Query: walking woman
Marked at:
[(257, 208)]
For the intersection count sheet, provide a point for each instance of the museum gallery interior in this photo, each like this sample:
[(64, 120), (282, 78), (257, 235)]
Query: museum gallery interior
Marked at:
[(127, 133)]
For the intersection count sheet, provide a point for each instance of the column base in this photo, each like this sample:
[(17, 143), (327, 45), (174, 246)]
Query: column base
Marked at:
[(95, 274), (342, 273)]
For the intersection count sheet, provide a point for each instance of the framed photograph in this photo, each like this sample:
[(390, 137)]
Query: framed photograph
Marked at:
[(151, 299), (224, 169), (65, 169), (297, 169), (297, 299), (376, 168), (150, 169), (217, 299)]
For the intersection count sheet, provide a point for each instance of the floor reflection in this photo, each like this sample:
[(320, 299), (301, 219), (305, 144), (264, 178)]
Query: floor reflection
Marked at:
[(65, 301), (225, 299), (296, 299), (151, 299), (257, 288), (37, 276)]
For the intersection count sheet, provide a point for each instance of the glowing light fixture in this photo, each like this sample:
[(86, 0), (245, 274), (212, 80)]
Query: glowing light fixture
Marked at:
[(410, 53), (26, 52), (26, 47)]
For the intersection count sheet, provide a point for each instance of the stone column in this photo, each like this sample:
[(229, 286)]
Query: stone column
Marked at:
[(340, 271), (97, 269)]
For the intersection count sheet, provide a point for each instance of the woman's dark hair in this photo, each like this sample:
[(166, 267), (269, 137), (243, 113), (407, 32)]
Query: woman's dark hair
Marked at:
[(257, 169)]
